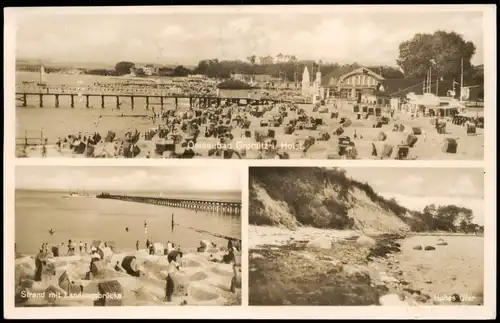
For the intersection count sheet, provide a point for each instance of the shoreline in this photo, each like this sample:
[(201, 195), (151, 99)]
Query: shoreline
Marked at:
[(374, 269)]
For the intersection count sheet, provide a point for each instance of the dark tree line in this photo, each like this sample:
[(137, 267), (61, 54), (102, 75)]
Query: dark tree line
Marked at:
[(291, 72), (449, 218)]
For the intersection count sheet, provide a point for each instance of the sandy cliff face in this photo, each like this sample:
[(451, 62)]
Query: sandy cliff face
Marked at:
[(301, 198)]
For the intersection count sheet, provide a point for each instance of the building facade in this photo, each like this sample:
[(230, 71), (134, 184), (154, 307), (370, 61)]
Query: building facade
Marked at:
[(361, 80), (266, 60), (150, 70)]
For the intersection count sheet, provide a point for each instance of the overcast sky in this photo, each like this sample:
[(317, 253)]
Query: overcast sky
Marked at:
[(367, 38), (415, 188), (129, 178)]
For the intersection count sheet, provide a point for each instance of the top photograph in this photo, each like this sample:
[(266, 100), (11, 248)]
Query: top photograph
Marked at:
[(226, 84)]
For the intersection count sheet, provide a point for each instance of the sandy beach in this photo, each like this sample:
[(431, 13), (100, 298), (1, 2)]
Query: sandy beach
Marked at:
[(53, 123), (333, 267), (199, 280)]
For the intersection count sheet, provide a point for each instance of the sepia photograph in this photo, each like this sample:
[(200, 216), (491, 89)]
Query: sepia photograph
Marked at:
[(250, 85), (127, 236), (366, 236)]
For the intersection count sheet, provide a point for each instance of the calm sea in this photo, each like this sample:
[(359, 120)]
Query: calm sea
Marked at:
[(62, 121), (86, 219)]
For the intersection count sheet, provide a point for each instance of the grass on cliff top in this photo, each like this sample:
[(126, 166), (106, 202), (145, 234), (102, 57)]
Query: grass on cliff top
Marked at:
[(301, 188)]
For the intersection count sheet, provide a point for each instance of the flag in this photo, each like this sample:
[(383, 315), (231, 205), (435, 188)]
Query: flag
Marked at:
[(441, 79)]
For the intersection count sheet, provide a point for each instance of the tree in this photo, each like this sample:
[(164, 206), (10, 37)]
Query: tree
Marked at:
[(181, 71), (123, 68), (442, 50), (140, 72), (252, 59)]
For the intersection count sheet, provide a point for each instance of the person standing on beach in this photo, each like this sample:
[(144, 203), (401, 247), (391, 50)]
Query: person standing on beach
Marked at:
[(44, 151), (145, 227), (172, 268), (86, 248), (137, 245), (81, 246)]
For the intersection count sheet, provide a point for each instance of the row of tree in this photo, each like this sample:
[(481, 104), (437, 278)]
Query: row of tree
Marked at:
[(449, 218), (446, 54)]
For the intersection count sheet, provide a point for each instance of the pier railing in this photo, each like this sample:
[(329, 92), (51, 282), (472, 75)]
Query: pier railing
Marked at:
[(202, 205)]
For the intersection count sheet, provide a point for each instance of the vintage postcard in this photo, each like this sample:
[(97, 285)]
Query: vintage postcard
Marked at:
[(362, 182), (127, 236), (361, 236), (247, 84)]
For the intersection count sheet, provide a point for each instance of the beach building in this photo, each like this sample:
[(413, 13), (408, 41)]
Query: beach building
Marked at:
[(362, 80), (150, 70), (433, 105)]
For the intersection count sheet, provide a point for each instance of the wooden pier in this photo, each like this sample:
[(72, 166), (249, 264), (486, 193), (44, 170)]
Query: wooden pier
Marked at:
[(160, 97), (201, 205)]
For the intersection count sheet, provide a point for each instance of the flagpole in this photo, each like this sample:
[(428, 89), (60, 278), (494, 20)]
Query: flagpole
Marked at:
[(461, 78), (437, 85), (430, 79)]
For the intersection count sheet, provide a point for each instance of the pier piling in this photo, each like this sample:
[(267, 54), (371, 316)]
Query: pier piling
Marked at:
[(213, 206)]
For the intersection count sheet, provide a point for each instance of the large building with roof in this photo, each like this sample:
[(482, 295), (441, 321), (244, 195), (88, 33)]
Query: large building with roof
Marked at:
[(362, 80)]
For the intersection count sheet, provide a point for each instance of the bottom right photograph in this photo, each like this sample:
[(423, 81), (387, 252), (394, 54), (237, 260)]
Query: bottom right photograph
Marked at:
[(366, 236)]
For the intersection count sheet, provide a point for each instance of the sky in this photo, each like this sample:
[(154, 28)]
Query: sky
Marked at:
[(415, 188), (368, 38), (129, 178)]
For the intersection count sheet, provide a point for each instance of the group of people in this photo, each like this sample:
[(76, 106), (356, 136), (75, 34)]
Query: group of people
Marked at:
[(71, 246)]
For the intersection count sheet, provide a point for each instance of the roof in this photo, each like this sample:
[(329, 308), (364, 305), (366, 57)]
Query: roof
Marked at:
[(234, 85), (361, 70), (401, 87)]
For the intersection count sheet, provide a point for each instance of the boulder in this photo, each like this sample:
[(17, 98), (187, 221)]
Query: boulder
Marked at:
[(429, 248), (366, 241), (442, 243), (320, 243), (417, 248)]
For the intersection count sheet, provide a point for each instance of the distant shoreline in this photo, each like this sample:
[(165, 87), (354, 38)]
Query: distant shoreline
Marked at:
[(127, 191)]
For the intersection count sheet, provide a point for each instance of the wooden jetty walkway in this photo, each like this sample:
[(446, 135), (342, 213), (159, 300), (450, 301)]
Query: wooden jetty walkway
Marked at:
[(152, 97), (202, 205)]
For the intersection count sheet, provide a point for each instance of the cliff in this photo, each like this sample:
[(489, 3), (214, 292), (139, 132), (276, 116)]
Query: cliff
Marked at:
[(324, 198)]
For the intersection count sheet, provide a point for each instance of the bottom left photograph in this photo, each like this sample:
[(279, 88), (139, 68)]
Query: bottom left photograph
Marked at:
[(127, 236)]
